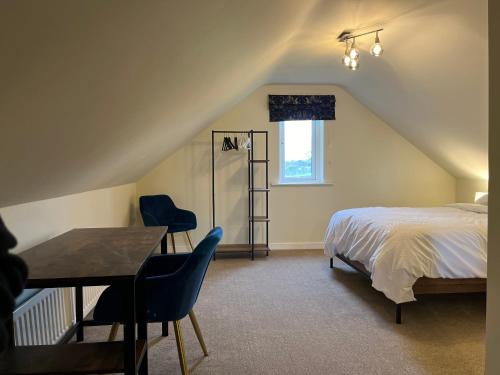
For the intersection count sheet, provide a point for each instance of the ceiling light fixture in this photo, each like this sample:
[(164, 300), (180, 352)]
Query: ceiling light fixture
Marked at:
[(352, 55), (376, 49)]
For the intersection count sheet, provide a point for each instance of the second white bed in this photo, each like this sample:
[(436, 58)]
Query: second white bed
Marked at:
[(401, 244)]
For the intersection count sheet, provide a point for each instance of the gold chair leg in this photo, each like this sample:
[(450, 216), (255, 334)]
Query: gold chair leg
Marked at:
[(180, 347), (197, 330), (189, 240), (113, 332), (173, 242)]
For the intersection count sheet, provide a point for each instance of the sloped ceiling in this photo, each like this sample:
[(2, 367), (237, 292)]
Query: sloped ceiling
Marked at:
[(95, 93)]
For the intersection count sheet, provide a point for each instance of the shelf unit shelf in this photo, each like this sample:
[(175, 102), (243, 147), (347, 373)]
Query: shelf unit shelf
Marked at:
[(259, 161), (242, 248), (251, 247), (259, 219)]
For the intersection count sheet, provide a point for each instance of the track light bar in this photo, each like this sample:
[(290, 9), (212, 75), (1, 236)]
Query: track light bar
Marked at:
[(346, 35)]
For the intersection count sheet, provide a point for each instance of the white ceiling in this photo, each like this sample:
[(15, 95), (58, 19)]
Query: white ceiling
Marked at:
[(96, 93)]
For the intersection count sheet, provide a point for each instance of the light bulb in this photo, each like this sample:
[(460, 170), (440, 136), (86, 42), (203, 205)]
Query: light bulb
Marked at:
[(354, 64), (376, 49), (353, 52), (346, 60)]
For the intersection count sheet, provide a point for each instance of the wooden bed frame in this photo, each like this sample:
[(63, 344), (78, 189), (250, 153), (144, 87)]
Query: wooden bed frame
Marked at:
[(426, 285)]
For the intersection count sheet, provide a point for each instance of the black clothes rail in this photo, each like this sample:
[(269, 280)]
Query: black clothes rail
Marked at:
[(251, 247)]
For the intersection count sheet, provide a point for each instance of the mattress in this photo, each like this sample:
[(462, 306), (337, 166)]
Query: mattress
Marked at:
[(398, 245)]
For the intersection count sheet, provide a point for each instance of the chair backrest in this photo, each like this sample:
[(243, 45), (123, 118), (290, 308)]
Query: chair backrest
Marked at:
[(213, 231), (171, 297), (157, 210)]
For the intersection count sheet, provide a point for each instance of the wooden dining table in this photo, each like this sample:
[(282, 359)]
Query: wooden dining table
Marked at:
[(90, 257)]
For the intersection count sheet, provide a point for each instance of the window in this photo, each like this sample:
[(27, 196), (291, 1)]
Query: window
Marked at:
[(301, 152)]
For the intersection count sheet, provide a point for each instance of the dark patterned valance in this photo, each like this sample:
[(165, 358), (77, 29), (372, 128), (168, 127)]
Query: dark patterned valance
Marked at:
[(301, 107)]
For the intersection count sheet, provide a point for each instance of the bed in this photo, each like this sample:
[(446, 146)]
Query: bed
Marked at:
[(410, 251)]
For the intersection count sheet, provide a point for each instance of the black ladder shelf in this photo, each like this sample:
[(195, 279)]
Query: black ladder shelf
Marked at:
[(251, 247)]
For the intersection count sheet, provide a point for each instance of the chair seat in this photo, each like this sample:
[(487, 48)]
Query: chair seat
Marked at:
[(110, 306), (184, 220)]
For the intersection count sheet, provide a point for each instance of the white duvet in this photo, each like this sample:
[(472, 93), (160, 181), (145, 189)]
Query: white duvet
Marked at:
[(399, 245)]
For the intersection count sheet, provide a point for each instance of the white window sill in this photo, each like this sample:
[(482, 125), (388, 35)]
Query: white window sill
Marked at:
[(302, 184)]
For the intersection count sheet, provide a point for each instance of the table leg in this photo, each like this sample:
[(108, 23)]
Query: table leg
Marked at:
[(164, 243), (142, 325), (79, 313), (9, 324), (129, 330)]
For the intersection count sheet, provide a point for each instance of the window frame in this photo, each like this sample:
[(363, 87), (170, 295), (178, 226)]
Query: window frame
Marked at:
[(317, 156)]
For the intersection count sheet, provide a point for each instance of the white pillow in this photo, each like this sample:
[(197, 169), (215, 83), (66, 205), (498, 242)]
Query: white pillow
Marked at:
[(483, 199)]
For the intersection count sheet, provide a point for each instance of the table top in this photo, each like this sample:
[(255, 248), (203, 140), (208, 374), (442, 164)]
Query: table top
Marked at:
[(91, 256)]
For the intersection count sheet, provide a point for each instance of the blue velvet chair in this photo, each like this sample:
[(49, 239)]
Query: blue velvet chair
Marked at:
[(172, 285), (160, 210)]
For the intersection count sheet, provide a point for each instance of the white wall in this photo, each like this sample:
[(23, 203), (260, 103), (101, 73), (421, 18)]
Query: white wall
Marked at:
[(367, 163), (35, 222), (467, 188)]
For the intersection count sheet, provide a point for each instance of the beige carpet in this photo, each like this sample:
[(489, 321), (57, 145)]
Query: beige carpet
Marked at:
[(291, 314)]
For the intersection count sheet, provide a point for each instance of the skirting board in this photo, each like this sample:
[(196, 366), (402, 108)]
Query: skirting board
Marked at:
[(296, 245), (276, 246)]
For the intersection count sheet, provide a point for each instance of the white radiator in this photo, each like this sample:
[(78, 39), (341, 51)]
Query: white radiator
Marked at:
[(90, 297), (45, 318)]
